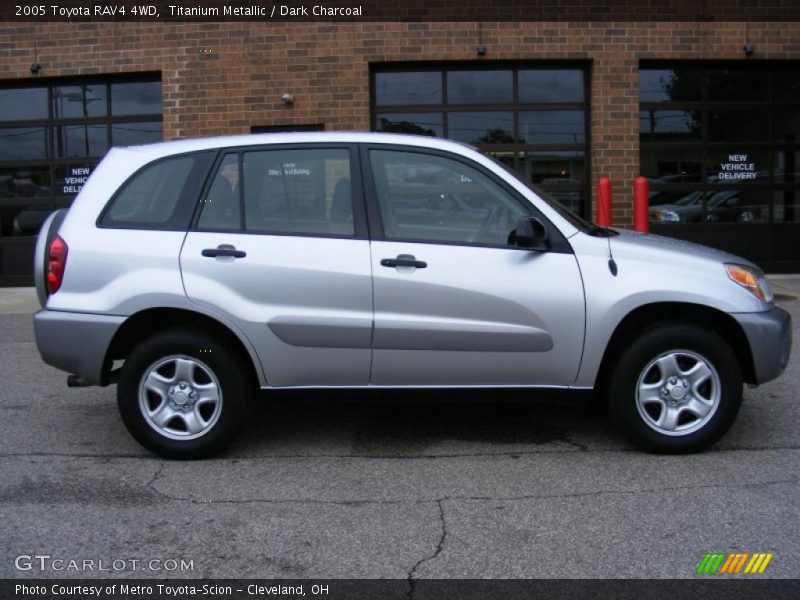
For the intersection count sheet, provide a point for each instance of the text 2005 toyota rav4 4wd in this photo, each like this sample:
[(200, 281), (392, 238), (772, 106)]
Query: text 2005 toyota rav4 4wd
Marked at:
[(210, 269)]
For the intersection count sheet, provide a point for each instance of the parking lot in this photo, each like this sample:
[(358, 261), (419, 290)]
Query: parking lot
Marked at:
[(389, 485)]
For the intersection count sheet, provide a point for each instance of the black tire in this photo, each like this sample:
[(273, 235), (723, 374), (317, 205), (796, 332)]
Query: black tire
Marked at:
[(671, 340), (206, 353)]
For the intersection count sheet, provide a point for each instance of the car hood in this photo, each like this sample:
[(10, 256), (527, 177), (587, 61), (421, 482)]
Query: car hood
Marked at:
[(650, 247), (679, 208)]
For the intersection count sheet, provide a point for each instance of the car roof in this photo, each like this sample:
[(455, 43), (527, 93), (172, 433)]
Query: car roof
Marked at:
[(260, 139)]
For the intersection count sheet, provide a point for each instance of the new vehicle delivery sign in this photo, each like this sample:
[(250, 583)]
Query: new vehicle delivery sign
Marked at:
[(738, 167), (74, 180)]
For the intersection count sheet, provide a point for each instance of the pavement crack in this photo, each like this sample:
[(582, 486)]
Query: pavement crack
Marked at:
[(156, 475), (571, 448), (24, 455), (624, 492), (348, 503), (439, 547), (476, 498)]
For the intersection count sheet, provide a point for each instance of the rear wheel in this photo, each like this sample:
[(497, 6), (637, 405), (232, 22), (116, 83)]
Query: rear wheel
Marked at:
[(676, 388), (182, 395)]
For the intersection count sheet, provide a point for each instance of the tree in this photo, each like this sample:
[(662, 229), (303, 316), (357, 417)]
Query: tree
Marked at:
[(404, 127), (496, 136)]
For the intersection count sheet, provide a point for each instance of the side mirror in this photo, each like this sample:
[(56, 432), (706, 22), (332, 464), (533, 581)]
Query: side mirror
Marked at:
[(529, 233)]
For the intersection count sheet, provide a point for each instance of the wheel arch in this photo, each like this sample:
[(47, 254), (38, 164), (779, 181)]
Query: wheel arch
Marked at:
[(143, 324), (653, 314)]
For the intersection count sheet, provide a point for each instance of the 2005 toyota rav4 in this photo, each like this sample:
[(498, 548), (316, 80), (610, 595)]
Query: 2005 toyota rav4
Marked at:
[(211, 268)]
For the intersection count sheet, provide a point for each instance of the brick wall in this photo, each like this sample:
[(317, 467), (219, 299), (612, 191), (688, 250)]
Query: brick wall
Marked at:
[(221, 78)]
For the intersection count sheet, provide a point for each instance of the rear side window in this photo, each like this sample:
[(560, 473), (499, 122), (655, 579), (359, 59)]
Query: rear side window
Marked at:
[(298, 191), (159, 196), (287, 191)]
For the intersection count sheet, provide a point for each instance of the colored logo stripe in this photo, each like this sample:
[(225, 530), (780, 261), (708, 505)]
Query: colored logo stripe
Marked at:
[(759, 562), (734, 562), (710, 563)]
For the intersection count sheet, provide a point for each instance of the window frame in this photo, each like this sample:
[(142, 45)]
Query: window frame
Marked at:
[(360, 226), (211, 177), (517, 150)]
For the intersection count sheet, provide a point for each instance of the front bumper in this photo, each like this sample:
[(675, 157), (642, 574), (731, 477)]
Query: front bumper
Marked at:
[(75, 342), (770, 336)]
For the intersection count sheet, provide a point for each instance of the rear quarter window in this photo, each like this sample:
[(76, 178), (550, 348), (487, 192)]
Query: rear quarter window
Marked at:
[(161, 195)]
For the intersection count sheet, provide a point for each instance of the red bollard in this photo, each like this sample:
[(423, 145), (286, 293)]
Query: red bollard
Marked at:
[(641, 205), (604, 202)]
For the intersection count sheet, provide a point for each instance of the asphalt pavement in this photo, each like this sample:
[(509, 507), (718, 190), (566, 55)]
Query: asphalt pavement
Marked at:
[(387, 485)]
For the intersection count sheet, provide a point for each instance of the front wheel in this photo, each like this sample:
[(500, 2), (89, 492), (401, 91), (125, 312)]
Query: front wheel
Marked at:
[(676, 389), (183, 395)]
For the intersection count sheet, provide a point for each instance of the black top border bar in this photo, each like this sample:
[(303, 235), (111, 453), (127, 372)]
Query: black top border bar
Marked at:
[(187, 11)]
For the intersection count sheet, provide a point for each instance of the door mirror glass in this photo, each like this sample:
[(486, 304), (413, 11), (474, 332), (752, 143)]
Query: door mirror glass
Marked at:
[(529, 233)]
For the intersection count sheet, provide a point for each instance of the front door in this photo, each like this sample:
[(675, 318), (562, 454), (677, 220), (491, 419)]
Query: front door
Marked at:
[(455, 304)]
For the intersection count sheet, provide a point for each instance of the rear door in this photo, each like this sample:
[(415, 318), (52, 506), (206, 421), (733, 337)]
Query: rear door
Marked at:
[(280, 246), (455, 304)]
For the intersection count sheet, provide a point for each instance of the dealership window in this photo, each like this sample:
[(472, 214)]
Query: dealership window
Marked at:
[(54, 132), (533, 118), (719, 142)]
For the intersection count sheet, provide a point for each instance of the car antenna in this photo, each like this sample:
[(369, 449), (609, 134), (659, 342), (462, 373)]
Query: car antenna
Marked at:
[(612, 264)]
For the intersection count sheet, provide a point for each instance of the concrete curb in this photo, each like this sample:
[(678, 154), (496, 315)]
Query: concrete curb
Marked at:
[(786, 287), (19, 300)]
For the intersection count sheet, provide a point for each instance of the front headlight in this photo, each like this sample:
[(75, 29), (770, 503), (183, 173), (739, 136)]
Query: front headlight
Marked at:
[(751, 279), (667, 216)]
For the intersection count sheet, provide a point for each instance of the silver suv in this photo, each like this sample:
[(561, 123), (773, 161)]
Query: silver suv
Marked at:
[(195, 273)]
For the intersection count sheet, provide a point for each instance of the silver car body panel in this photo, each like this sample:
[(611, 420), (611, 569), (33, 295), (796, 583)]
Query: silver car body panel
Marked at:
[(476, 316), (116, 271), (770, 337), (75, 342), (294, 298), (136, 270), (650, 269), (119, 271)]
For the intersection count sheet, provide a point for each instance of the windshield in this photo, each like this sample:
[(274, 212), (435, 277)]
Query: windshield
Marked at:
[(578, 222)]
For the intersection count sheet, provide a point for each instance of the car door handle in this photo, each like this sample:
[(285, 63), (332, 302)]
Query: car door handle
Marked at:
[(404, 260), (224, 250)]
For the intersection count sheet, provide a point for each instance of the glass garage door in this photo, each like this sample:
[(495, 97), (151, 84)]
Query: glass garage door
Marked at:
[(533, 118), (719, 143), (52, 134)]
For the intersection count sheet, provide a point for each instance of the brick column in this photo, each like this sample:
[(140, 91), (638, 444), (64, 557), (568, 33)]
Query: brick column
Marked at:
[(615, 126)]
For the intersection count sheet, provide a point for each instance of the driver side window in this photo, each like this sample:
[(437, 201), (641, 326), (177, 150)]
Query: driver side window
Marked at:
[(424, 197)]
